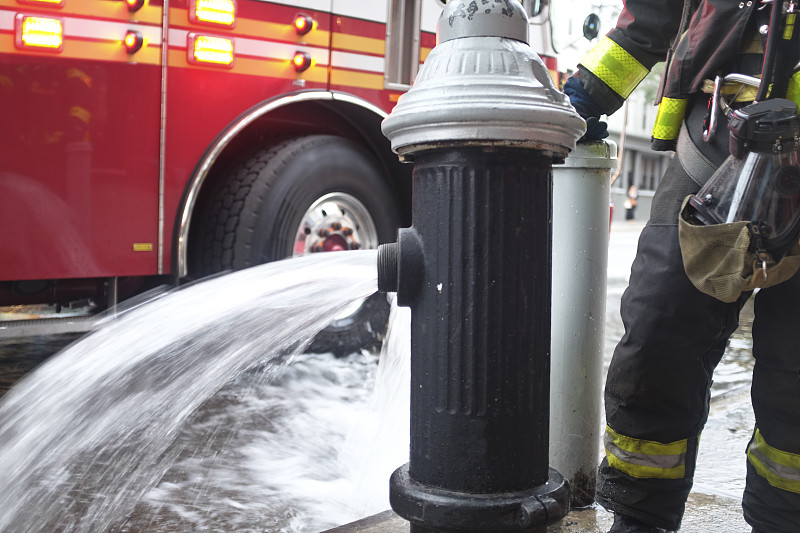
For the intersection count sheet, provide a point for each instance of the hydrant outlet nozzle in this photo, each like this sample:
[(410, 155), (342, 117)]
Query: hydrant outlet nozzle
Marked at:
[(401, 266), (387, 267)]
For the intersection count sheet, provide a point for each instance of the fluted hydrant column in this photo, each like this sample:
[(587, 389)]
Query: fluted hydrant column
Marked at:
[(483, 125)]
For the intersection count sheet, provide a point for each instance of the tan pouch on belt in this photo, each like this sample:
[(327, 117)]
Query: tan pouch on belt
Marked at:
[(719, 262)]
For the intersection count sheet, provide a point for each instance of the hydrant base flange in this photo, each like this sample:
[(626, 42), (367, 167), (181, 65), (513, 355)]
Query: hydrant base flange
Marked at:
[(441, 510)]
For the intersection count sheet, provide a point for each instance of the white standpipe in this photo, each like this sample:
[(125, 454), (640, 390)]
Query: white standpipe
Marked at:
[(581, 217)]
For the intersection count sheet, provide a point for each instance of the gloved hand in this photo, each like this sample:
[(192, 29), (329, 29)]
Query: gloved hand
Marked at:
[(596, 129)]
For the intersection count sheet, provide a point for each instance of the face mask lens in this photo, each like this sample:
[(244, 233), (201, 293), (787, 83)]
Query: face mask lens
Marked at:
[(762, 185), (787, 183), (784, 216)]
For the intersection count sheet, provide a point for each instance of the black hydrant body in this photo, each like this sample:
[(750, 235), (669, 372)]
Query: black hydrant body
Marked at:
[(480, 321), (480, 337), (475, 270)]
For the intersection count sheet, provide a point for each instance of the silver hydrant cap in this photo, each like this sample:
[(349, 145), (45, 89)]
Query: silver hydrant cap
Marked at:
[(483, 85)]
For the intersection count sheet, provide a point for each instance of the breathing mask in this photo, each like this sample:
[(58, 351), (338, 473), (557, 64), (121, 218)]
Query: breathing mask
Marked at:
[(760, 181), (740, 231)]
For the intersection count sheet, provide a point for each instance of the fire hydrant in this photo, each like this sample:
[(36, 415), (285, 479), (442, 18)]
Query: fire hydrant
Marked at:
[(483, 125)]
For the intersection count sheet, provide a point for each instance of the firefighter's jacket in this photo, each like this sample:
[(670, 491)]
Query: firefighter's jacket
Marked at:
[(647, 33)]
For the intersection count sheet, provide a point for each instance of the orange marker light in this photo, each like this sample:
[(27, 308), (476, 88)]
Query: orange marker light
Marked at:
[(213, 11), (134, 5), (301, 61), (303, 24), (207, 49), (133, 41), (39, 32)]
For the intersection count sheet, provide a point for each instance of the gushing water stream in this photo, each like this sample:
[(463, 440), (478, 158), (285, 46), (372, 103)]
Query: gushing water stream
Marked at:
[(311, 449), (88, 435)]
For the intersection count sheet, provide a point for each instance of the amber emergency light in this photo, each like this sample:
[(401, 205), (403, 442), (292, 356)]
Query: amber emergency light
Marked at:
[(208, 49), (41, 33), (213, 11)]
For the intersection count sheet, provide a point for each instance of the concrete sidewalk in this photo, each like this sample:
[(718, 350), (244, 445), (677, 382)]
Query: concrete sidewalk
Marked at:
[(704, 514)]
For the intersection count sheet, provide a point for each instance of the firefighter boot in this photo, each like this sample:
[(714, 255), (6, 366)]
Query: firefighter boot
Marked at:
[(626, 524)]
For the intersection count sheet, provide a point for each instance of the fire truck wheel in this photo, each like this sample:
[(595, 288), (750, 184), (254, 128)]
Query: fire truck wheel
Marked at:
[(304, 195)]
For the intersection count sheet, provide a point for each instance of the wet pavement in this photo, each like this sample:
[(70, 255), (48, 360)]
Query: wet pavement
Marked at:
[(19, 356), (714, 505)]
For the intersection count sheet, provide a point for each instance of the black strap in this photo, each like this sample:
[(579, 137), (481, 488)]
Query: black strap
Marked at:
[(784, 63), (779, 56)]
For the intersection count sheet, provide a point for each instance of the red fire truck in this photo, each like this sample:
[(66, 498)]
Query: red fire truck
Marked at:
[(153, 141)]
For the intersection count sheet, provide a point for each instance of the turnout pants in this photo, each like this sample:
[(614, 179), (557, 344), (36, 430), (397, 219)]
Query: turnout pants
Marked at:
[(658, 387)]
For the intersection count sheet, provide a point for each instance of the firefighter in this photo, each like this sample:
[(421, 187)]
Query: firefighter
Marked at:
[(658, 386)]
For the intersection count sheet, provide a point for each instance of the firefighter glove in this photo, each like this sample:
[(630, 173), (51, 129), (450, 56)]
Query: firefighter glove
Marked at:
[(586, 107)]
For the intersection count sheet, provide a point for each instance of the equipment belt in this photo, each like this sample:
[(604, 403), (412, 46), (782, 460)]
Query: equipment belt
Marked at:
[(696, 165), (740, 91)]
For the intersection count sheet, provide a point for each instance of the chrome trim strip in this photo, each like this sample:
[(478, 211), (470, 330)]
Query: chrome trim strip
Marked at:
[(162, 149)]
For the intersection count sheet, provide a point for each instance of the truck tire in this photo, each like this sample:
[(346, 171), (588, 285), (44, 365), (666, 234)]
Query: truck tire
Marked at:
[(276, 204)]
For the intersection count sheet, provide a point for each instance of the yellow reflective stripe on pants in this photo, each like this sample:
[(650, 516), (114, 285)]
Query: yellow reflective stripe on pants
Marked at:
[(614, 66), (645, 458), (780, 469), (669, 118)]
